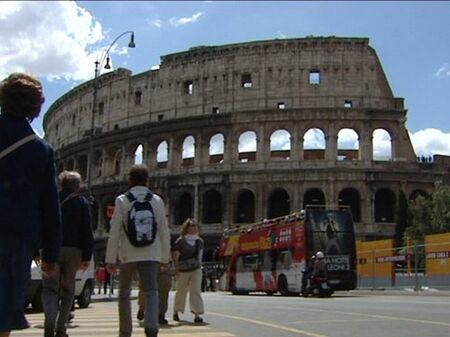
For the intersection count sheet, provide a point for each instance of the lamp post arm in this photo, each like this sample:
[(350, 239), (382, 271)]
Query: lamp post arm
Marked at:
[(98, 65)]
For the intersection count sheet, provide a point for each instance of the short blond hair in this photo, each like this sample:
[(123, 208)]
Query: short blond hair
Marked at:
[(21, 95), (70, 180)]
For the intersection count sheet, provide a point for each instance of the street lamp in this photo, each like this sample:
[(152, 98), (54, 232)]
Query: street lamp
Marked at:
[(98, 65)]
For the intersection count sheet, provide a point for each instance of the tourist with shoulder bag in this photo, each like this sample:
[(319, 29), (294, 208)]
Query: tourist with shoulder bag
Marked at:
[(187, 257)]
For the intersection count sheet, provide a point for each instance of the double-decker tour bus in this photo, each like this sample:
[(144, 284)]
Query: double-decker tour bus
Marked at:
[(269, 256)]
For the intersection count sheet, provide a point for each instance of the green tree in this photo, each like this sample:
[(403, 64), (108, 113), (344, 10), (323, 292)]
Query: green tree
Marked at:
[(429, 216), (404, 219)]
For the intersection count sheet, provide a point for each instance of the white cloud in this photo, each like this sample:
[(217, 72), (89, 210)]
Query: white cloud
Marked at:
[(52, 39), (314, 139), (156, 22), (280, 140), (280, 35), (348, 139), (431, 141), (183, 21), (443, 71)]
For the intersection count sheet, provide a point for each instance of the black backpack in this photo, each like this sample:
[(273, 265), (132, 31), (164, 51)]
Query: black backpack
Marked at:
[(141, 223)]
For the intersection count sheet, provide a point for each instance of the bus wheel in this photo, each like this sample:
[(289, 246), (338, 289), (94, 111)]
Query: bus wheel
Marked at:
[(283, 286)]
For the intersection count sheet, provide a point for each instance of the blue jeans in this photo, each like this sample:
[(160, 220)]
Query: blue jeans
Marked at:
[(15, 262), (148, 274), (58, 292)]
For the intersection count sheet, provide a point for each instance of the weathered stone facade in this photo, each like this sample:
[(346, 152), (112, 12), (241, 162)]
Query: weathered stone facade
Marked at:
[(192, 114)]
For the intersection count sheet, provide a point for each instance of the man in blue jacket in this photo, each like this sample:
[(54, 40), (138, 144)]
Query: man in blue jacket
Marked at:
[(29, 207), (76, 252)]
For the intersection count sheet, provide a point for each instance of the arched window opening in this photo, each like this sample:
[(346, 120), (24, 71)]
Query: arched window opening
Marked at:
[(314, 144), (162, 154), (313, 196), (279, 204), (188, 154), (347, 145), (216, 148), (280, 144), (138, 155), (70, 165), (82, 165), (184, 206), (381, 145), (247, 146), (350, 197), (118, 162), (212, 207), (418, 193), (385, 205), (245, 207), (98, 163)]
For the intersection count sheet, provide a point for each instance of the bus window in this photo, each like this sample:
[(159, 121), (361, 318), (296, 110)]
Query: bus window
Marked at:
[(284, 259), (252, 261)]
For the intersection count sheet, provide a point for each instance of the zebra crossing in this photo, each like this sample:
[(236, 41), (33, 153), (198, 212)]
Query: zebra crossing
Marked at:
[(101, 320)]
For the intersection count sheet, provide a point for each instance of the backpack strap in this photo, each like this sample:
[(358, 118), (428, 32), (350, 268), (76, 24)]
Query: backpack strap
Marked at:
[(17, 144), (131, 198)]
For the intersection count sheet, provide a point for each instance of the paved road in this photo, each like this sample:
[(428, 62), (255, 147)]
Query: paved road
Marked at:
[(344, 315)]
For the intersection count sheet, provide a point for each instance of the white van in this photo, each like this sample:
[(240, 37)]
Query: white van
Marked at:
[(84, 286)]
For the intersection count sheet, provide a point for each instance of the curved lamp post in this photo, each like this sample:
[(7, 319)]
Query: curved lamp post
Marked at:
[(98, 65)]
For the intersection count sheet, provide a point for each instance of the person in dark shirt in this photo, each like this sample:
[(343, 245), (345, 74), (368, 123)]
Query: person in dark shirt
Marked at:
[(76, 252), (29, 206)]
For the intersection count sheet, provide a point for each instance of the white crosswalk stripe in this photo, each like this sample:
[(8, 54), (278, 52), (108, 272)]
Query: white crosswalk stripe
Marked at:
[(101, 320)]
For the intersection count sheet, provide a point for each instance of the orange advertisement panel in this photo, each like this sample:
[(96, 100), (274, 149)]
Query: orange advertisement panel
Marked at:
[(374, 258), (437, 254)]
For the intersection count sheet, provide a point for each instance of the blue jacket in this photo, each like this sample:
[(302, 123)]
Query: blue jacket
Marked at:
[(29, 206), (76, 223)]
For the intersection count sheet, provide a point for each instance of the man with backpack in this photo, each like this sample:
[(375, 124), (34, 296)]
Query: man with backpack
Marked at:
[(140, 240)]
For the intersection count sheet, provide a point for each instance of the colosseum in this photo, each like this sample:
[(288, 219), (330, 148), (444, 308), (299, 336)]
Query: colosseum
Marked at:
[(241, 132)]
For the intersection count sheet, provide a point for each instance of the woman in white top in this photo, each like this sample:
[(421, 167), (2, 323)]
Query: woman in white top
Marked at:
[(187, 257)]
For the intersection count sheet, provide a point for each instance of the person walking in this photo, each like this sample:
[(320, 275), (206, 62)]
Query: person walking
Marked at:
[(29, 204), (100, 277), (164, 286), (139, 238), (187, 258), (76, 252)]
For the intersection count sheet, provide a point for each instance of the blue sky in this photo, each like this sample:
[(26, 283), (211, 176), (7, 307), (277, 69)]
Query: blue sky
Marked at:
[(59, 42)]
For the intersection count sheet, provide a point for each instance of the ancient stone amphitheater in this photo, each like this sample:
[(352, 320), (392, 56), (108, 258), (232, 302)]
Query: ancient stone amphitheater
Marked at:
[(241, 132)]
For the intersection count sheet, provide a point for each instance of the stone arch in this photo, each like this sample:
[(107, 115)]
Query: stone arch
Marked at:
[(385, 205), (418, 192), (82, 165), (117, 162), (280, 144), (216, 148), (351, 197), (245, 206), (314, 196), (184, 208), (70, 166), (138, 154), (188, 151), (212, 207), (314, 144), (247, 146), (382, 145), (279, 203), (347, 144), (162, 154), (98, 163), (60, 168)]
